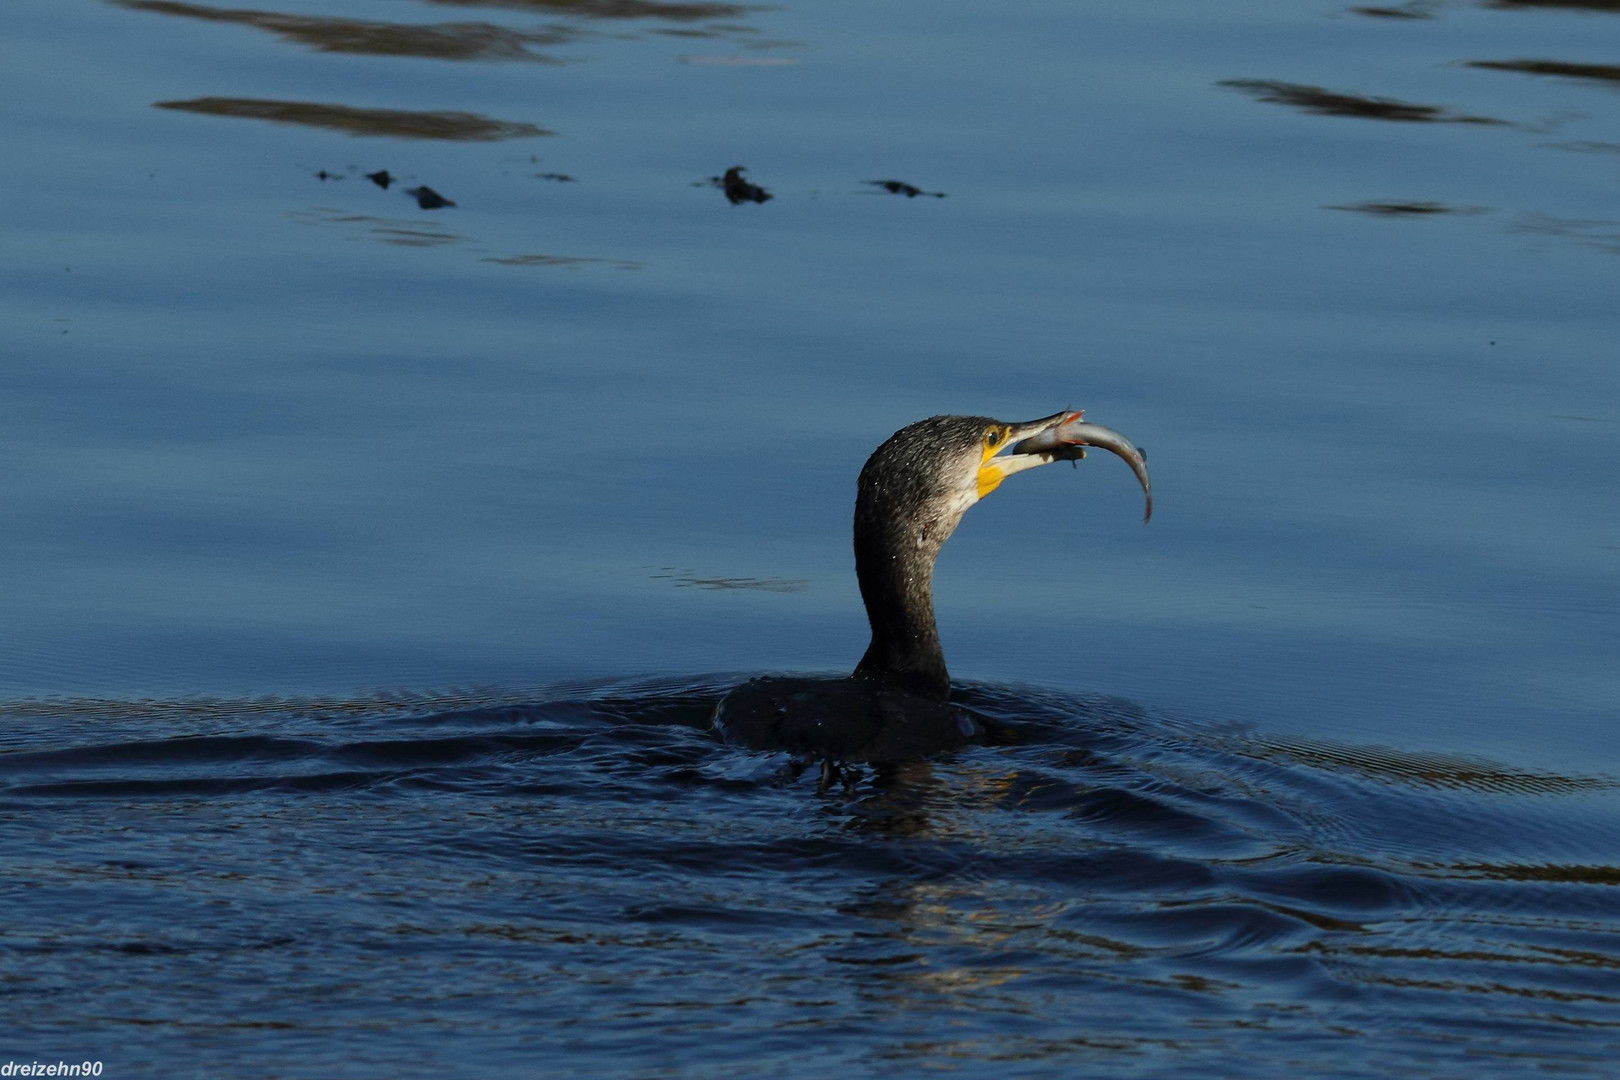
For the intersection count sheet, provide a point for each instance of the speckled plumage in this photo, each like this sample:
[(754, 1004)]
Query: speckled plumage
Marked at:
[(912, 492), (911, 496)]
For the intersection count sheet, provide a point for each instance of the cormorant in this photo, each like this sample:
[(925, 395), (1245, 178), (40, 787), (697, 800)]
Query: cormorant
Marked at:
[(912, 492)]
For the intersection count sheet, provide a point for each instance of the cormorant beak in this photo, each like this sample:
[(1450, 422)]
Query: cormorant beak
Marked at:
[(1063, 436)]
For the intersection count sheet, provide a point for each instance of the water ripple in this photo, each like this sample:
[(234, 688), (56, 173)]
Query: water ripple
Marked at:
[(1131, 879)]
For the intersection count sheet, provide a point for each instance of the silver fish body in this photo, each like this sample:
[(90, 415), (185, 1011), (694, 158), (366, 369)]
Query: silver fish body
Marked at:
[(1069, 441)]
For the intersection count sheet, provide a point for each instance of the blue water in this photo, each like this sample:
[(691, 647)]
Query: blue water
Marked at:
[(371, 570), (586, 880)]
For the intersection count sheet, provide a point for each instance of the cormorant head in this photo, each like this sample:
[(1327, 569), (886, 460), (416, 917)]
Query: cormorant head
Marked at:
[(913, 493), (933, 470)]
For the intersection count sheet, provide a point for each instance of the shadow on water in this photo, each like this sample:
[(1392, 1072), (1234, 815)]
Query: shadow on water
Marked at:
[(1107, 882)]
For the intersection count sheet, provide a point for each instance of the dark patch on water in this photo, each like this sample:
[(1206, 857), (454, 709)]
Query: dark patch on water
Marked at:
[(567, 874), (1609, 73), (561, 260), (468, 41), (1416, 10), (617, 9), (900, 187), (445, 41), (1602, 234), (1408, 208), (392, 123), (1575, 5), (1315, 99)]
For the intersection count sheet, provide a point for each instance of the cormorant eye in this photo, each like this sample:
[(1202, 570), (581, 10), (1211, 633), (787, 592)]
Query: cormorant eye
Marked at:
[(992, 438)]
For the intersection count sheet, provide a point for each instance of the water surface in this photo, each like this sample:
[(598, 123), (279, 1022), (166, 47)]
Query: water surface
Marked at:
[(290, 458), (580, 880)]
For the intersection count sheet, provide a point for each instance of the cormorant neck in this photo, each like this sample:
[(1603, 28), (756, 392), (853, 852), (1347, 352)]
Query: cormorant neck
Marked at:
[(905, 647), (899, 530)]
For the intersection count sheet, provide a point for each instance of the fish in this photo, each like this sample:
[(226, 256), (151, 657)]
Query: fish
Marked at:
[(1068, 440)]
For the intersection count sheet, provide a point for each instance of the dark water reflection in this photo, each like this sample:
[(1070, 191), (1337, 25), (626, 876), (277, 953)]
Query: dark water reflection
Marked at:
[(1417, 10), (615, 9), (592, 874), (446, 41), (1598, 72), (1602, 234), (1409, 209), (1428, 9), (467, 41), (405, 232), (1540, 5), (1330, 103), (388, 123)]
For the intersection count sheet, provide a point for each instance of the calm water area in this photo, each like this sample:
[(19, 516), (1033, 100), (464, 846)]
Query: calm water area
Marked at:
[(406, 443)]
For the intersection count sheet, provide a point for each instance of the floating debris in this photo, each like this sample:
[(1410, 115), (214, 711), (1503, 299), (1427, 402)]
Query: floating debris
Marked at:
[(736, 188), (427, 198), (324, 175), (559, 177), (900, 187), (382, 178)]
